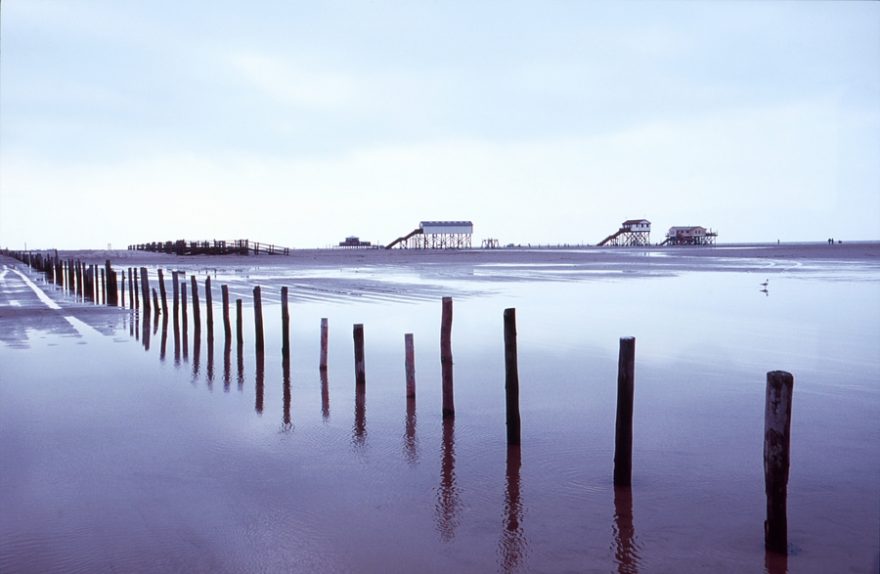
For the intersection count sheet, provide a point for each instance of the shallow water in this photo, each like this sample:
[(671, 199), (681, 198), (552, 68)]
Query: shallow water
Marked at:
[(132, 453)]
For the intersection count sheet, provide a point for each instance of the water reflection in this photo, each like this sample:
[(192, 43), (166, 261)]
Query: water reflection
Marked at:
[(210, 373), (227, 364), (512, 547), (325, 395), (410, 441), (197, 348), (258, 406), (239, 356), (145, 333), (448, 504), (164, 345), (285, 368), (359, 432), (626, 548), (775, 563)]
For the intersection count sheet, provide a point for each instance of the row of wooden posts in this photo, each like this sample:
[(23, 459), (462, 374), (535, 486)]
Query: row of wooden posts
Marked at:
[(778, 399)]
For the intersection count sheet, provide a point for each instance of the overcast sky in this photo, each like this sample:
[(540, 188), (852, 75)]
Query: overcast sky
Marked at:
[(300, 123)]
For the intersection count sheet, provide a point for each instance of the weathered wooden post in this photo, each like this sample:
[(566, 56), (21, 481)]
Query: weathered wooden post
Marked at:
[(227, 326), (209, 309), (103, 288), (183, 314), (623, 426), (239, 322), (155, 303), (197, 314), (123, 287), (410, 365), (112, 294), (258, 319), (324, 342), (175, 293), (162, 291), (360, 374), (145, 290), (511, 377), (134, 287), (777, 438), (446, 358), (285, 325)]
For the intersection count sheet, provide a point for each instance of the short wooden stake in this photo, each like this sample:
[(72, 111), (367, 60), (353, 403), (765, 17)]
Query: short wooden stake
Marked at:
[(227, 326), (360, 375), (410, 365), (197, 313), (209, 310), (777, 438), (324, 342), (623, 435), (285, 325), (239, 322), (145, 290), (511, 377), (258, 319), (446, 358), (175, 293), (162, 291)]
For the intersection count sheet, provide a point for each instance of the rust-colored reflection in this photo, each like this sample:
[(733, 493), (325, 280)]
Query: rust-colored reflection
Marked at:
[(448, 504), (512, 548), (325, 395), (410, 441), (285, 391), (359, 432), (775, 563), (626, 549), (261, 362), (227, 364)]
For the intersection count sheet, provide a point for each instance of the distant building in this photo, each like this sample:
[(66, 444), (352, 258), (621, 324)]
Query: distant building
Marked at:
[(437, 235), (354, 242), (690, 235), (632, 232)]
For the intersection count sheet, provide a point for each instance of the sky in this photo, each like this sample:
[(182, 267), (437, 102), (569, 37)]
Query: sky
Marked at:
[(301, 123)]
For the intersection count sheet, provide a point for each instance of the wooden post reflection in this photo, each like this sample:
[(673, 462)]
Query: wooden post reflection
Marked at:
[(410, 441), (227, 363), (359, 432), (164, 343), (197, 347), (513, 541), (285, 390), (625, 547), (209, 310), (325, 395), (210, 371), (258, 405), (448, 504), (145, 333)]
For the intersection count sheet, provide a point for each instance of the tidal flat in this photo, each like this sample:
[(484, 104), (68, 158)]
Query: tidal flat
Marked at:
[(138, 443)]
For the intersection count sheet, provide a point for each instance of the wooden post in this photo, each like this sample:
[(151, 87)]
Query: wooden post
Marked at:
[(175, 292), (123, 287), (112, 293), (777, 438), (227, 327), (360, 375), (324, 341), (135, 274), (183, 314), (239, 322), (145, 290), (623, 427), (103, 289), (285, 325), (511, 378), (209, 309), (410, 365), (161, 274), (155, 303), (258, 319), (197, 314), (446, 358)]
